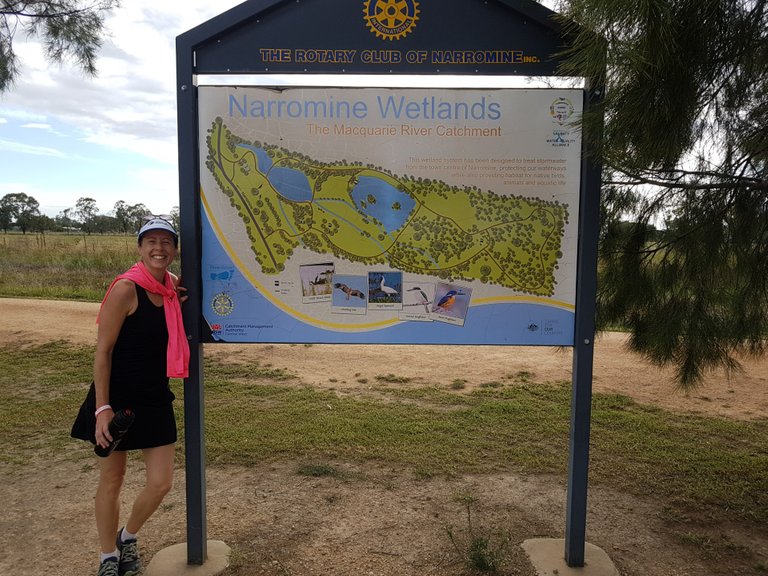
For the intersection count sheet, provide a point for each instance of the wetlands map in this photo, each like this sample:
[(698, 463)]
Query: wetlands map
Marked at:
[(400, 217)]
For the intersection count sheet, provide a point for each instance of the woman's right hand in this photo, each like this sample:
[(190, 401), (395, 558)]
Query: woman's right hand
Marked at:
[(103, 437)]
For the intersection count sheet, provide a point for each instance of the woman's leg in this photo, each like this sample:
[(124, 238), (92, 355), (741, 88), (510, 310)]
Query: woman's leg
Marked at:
[(159, 464), (111, 475)]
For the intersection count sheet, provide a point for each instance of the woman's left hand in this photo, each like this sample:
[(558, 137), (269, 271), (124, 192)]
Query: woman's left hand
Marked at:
[(180, 290), (181, 294)]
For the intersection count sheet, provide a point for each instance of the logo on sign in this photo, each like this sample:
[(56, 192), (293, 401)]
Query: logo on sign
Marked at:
[(561, 139), (561, 109), (222, 304), (391, 19)]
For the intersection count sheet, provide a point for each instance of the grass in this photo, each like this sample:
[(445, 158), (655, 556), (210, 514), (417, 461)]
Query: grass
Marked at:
[(458, 384), (393, 379), (698, 467), (704, 471), (320, 471), (63, 266), (480, 550)]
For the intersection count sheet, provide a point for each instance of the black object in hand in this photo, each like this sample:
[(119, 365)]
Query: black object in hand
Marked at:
[(118, 426)]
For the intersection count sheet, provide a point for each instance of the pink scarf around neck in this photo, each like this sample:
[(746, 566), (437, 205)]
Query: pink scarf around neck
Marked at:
[(178, 347)]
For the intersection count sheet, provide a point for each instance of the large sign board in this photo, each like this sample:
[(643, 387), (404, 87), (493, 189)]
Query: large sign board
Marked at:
[(381, 37), (372, 215), (389, 215)]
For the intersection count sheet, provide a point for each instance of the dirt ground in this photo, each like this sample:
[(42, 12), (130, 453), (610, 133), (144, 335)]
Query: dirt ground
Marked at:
[(374, 520)]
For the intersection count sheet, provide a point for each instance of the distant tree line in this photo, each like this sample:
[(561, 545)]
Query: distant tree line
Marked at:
[(22, 212)]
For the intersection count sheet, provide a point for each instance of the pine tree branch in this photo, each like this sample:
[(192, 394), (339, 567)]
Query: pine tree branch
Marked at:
[(10, 9), (740, 183)]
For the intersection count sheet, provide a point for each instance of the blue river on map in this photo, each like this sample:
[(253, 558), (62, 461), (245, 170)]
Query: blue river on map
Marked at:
[(385, 196), (288, 182), (294, 185), (263, 159)]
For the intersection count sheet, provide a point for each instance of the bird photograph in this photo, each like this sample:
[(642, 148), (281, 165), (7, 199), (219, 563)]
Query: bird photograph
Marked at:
[(350, 294), (385, 287), (349, 291), (417, 296), (447, 301), (451, 301), (316, 279)]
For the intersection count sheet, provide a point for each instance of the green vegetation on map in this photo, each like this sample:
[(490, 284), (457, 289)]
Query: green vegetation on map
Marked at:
[(368, 215)]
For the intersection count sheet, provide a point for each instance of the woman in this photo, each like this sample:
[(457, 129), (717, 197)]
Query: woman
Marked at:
[(141, 342)]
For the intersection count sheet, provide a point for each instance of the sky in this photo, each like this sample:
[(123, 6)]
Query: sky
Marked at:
[(65, 136)]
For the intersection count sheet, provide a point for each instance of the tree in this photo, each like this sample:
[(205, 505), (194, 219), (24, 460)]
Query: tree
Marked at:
[(685, 99), (29, 211), (103, 224), (69, 30), (64, 220), (19, 209), (176, 217), (137, 212), (41, 223), (86, 211), (121, 212), (7, 214)]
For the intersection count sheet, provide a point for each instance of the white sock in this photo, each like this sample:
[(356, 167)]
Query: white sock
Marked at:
[(115, 554), (125, 535)]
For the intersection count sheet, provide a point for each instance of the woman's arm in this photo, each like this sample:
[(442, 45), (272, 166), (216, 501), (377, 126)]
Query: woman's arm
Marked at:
[(180, 290), (120, 302)]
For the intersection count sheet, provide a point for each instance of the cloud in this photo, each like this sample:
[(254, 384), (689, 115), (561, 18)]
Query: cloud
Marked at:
[(129, 108), (18, 147), (20, 114)]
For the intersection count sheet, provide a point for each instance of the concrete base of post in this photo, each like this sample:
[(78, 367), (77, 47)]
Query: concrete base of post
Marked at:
[(172, 561), (548, 558)]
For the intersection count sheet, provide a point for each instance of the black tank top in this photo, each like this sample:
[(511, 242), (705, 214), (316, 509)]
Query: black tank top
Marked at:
[(139, 373)]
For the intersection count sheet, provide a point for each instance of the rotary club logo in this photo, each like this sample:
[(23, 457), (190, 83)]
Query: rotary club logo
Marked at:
[(222, 304), (391, 19)]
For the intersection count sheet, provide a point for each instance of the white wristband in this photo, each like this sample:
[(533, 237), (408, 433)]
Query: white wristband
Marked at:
[(102, 409)]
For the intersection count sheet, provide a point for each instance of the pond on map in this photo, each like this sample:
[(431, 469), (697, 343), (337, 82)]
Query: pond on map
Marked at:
[(372, 196), (288, 182), (291, 184), (381, 200)]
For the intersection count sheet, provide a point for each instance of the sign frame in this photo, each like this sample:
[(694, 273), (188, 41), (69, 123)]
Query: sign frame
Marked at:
[(474, 37), (307, 191)]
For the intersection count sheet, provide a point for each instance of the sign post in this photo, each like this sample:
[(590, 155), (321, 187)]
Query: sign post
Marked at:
[(583, 355), (194, 398), (384, 215)]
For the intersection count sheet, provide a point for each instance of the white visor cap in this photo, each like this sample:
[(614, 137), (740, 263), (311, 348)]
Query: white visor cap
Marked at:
[(158, 224)]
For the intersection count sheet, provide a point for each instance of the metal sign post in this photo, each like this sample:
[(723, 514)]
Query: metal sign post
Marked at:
[(583, 354), (468, 38), (194, 398)]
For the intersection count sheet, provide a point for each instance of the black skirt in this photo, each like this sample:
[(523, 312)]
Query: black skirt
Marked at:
[(153, 425)]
